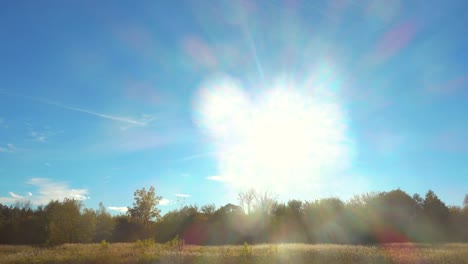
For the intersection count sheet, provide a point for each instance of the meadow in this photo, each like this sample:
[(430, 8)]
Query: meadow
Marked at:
[(149, 252)]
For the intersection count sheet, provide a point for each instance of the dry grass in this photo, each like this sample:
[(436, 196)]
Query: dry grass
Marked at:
[(283, 253)]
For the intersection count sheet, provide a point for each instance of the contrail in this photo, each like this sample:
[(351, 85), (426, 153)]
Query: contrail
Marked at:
[(76, 109)]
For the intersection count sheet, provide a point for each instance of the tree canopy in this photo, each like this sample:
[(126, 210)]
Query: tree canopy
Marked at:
[(393, 216)]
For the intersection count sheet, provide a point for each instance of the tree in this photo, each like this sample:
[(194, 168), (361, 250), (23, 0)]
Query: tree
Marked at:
[(435, 209), (144, 208), (465, 201), (104, 224), (63, 221), (208, 209), (265, 202), (144, 211), (246, 199), (437, 213), (87, 226), (418, 200)]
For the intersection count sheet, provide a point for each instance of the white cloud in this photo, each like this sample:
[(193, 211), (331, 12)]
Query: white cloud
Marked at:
[(51, 190), (29, 194), (217, 178), (164, 202), (16, 196), (182, 195), (121, 209), (38, 136), (42, 135)]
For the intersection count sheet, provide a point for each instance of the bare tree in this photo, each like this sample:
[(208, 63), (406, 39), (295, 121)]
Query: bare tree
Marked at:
[(265, 201), (246, 199), (465, 201)]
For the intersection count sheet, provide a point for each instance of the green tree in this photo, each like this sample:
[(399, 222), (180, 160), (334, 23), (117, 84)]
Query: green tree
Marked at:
[(145, 211), (87, 226), (104, 224), (437, 214), (63, 221), (145, 208)]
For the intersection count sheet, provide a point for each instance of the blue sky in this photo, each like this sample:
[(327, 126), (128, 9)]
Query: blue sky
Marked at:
[(202, 99)]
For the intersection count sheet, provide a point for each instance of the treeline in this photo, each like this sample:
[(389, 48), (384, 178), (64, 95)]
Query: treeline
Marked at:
[(381, 217)]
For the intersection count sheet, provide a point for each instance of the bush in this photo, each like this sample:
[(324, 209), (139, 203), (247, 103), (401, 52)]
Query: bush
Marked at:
[(246, 250), (104, 244), (176, 244), (145, 244)]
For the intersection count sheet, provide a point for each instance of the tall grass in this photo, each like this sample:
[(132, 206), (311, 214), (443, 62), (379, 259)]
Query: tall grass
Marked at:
[(148, 252)]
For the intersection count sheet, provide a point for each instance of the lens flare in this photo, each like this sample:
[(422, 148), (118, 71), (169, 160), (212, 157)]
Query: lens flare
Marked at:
[(276, 137)]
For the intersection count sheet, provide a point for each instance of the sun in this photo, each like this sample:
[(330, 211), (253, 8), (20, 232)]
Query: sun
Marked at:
[(281, 136)]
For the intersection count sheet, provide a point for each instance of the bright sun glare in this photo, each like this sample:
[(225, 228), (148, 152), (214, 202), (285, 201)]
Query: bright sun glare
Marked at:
[(278, 137)]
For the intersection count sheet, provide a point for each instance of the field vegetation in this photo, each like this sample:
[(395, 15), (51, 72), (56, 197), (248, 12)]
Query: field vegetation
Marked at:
[(385, 227), (150, 252)]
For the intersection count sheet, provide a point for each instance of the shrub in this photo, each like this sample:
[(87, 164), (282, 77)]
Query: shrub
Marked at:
[(145, 244), (246, 250), (176, 244), (104, 244)]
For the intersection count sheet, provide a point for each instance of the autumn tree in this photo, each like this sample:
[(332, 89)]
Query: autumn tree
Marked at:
[(144, 210)]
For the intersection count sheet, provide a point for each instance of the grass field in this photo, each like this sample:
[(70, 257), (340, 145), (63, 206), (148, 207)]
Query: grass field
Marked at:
[(281, 253)]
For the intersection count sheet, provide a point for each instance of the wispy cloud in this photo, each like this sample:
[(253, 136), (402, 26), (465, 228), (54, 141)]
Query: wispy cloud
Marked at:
[(8, 148), (164, 202), (42, 134), (3, 124), (14, 195), (38, 136), (217, 178), (121, 209), (182, 195), (127, 120)]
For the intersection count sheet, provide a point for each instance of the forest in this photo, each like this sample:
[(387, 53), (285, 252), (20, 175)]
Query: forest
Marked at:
[(381, 217)]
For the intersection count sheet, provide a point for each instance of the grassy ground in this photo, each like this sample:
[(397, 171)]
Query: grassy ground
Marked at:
[(283, 253)]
